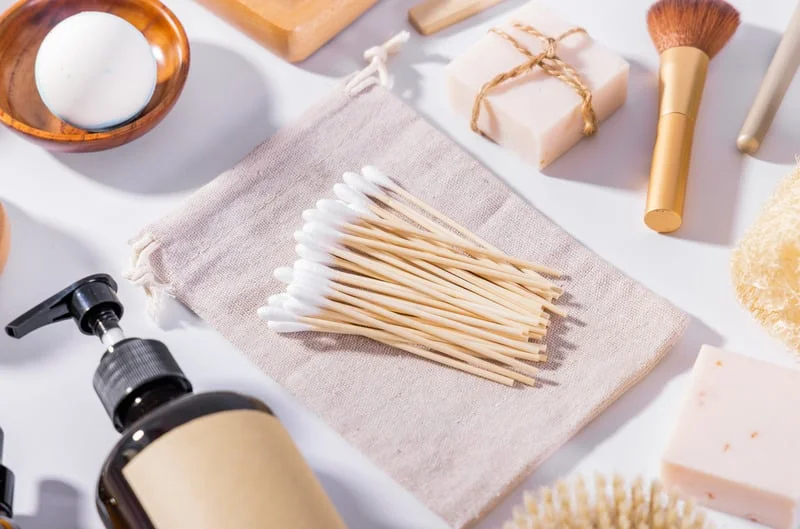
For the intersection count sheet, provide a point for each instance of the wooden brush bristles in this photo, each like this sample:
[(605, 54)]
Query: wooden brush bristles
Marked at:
[(614, 506), (704, 24)]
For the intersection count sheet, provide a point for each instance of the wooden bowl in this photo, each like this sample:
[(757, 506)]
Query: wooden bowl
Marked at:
[(23, 27)]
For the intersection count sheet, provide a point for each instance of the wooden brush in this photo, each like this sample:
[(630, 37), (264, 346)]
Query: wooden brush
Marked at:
[(687, 34), (611, 506)]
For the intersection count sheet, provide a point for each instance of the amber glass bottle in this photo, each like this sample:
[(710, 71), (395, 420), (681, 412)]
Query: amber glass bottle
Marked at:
[(217, 459)]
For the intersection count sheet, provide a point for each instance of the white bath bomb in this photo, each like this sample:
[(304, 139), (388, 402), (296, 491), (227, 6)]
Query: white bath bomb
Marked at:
[(95, 71)]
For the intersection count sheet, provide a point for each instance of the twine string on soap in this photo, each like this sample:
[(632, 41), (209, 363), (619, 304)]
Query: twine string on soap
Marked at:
[(550, 63)]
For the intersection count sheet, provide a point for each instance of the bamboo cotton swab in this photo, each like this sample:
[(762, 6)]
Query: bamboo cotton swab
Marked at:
[(394, 269)]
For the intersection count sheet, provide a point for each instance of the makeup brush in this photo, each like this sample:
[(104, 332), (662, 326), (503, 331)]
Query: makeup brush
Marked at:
[(687, 34), (779, 76), (610, 506)]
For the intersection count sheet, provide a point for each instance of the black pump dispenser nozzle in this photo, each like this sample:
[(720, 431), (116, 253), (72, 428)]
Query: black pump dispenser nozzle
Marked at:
[(6, 485), (92, 302), (129, 365)]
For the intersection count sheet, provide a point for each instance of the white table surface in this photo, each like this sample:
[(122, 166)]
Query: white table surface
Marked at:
[(72, 215)]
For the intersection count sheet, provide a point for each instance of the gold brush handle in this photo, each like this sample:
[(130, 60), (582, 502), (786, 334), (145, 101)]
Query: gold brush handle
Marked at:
[(671, 157), (682, 77), (779, 76)]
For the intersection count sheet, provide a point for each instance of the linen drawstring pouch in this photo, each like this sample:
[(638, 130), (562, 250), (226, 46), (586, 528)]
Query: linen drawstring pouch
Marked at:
[(458, 442)]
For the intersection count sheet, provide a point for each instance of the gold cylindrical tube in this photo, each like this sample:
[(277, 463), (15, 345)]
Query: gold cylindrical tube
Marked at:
[(682, 77)]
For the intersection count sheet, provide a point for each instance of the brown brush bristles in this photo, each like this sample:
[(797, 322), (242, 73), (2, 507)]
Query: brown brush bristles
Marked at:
[(611, 506), (704, 24)]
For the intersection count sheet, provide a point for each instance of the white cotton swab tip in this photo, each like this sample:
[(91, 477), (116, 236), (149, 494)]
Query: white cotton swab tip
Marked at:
[(334, 220), (315, 242), (339, 209), (357, 201), (323, 284), (284, 327), (301, 308), (311, 215), (322, 234), (307, 253), (377, 177), (276, 314), (316, 268), (277, 300), (303, 276), (362, 185), (284, 274), (310, 294)]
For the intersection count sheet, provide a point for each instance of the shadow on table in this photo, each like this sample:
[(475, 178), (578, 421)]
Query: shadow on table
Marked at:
[(58, 507), (357, 513), (619, 154), (222, 115), (630, 405), (344, 54), (42, 261)]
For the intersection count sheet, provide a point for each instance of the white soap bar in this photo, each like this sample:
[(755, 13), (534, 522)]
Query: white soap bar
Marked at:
[(736, 444), (95, 71), (536, 115)]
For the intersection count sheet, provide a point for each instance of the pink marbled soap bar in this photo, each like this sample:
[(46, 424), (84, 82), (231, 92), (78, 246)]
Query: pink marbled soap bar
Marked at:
[(736, 446), (536, 115)]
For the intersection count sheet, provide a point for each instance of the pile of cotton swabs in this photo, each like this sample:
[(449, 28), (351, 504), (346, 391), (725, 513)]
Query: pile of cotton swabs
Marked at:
[(383, 264)]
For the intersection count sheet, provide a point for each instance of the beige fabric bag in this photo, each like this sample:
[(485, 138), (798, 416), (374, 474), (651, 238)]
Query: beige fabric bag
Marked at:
[(457, 442)]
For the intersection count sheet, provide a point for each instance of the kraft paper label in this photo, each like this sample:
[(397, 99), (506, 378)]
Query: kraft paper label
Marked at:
[(235, 469)]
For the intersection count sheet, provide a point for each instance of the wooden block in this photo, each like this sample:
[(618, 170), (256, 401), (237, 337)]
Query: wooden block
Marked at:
[(5, 238), (431, 16), (293, 29)]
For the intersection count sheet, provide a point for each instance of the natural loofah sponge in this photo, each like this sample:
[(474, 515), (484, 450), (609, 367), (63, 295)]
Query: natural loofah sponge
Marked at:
[(766, 264)]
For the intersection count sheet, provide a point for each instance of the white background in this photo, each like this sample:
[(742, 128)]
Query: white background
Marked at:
[(72, 215)]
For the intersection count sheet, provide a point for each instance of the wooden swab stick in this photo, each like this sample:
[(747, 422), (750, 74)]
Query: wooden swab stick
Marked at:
[(362, 203), (397, 291), (487, 288), (374, 261), (440, 258), (412, 323), (406, 324), (518, 333), (411, 281), (418, 337), (362, 185), (433, 227), (376, 177), (430, 316), (464, 246), (331, 238), (431, 280), (385, 287), (322, 325), (441, 280), (461, 278)]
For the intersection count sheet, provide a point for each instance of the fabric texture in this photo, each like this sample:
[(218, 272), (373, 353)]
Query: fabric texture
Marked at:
[(457, 442)]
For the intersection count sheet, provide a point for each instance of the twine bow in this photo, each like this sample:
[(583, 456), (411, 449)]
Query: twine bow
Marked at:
[(550, 63)]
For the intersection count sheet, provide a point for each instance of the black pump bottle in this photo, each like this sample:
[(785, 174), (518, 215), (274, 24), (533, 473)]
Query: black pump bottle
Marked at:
[(218, 460), (6, 493)]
